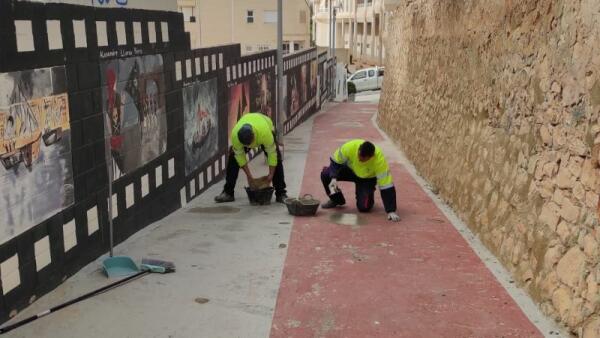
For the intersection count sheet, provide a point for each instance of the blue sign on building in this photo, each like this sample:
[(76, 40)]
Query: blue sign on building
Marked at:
[(118, 2)]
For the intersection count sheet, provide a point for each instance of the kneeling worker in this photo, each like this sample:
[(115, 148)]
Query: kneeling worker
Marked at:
[(253, 130), (363, 163)]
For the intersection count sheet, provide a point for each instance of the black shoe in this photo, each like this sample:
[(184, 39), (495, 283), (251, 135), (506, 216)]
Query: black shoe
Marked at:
[(330, 205), (224, 197), (281, 198)]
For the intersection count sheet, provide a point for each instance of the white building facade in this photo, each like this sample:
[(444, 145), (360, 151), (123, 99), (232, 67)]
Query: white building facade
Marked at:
[(359, 28)]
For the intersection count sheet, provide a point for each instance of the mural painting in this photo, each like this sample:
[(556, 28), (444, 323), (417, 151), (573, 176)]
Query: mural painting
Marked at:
[(239, 104), (294, 94), (36, 173), (201, 121), (285, 108), (304, 84), (262, 92), (134, 106), (313, 78)]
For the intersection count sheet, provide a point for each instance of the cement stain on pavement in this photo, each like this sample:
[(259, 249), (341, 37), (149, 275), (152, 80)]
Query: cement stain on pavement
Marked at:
[(350, 124), (353, 220), (175, 234), (294, 140), (215, 210), (201, 300)]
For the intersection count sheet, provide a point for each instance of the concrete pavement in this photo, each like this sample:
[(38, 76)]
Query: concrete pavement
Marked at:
[(229, 260), (344, 275)]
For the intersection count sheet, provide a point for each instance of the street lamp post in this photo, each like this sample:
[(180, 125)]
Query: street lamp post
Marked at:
[(278, 121), (329, 31)]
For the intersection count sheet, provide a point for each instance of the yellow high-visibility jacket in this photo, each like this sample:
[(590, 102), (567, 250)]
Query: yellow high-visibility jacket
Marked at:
[(263, 129), (377, 166)]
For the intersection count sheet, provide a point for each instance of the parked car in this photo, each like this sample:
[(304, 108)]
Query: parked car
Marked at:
[(366, 79)]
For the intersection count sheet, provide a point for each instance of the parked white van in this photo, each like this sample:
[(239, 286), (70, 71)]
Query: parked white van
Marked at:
[(367, 79)]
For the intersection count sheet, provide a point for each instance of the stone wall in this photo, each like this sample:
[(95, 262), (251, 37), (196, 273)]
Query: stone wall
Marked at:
[(497, 104)]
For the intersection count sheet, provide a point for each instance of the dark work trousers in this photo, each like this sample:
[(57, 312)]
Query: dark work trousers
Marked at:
[(365, 188), (233, 170)]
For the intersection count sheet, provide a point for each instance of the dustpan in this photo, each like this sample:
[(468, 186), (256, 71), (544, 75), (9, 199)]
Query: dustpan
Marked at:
[(119, 266)]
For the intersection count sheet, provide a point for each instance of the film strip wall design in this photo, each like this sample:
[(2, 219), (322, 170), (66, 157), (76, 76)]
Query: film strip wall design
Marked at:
[(93, 56), (64, 49), (319, 75), (224, 67), (324, 77)]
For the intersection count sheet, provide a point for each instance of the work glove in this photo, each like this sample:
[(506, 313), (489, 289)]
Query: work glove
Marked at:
[(392, 216), (333, 186)]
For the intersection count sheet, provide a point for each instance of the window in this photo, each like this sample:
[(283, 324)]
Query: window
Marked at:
[(263, 47), (249, 16), (188, 13), (248, 48), (302, 16), (270, 17), (380, 71), (371, 73), (296, 46), (359, 75)]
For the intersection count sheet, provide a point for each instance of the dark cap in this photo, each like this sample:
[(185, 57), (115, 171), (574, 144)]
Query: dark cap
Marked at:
[(246, 135)]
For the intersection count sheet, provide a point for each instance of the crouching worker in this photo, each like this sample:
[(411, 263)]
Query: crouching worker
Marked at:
[(253, 130), (363, 163)]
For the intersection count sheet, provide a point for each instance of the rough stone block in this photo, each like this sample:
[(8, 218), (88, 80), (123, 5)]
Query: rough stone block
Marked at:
[(549, 215), (546, 135), (592, 328), (590, 246), (571, 268), (569, 211), (552, 256), (561, 299), (563, 231), (577, 147), (579, 191), (564, 179), (575, 165), (589, 175), (591, 199)]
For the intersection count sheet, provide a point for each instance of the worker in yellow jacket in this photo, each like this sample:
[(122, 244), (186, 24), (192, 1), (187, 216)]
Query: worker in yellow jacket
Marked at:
[(253, 130), (363, 163)]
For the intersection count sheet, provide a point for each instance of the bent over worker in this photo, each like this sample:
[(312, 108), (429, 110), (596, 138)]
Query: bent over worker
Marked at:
[(253, 130), (363, 163)]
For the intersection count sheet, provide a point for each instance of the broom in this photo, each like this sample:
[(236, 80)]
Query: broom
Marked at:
[(148, 266)]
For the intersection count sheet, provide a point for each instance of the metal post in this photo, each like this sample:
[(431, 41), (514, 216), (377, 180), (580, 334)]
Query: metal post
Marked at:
[(278, 121), (333, 82), (330, 23), (232, 22), (109, 168), (333, 32)]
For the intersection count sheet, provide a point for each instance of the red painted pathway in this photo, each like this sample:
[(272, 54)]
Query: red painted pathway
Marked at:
[(416, 278)]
